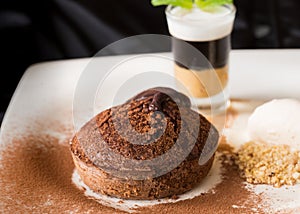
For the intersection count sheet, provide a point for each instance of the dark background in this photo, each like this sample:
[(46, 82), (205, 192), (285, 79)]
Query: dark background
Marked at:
[(36, 31)]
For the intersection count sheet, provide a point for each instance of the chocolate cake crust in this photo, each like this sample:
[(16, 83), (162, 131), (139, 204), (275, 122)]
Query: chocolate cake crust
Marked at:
[(118, 152)]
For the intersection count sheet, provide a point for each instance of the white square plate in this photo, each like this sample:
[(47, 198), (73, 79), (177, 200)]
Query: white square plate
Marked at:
[(45, 93)]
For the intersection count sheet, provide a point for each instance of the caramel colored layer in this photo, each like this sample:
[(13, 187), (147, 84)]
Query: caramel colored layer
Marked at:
[(203, 83)]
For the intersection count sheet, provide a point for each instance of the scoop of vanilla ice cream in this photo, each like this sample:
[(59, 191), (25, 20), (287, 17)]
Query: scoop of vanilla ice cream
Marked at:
[(276, 122)]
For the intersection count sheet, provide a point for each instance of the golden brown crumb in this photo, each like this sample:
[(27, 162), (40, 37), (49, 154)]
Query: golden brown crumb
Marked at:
[(261, 163)]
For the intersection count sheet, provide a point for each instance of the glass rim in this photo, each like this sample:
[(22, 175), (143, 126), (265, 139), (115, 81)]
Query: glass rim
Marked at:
[(230, 7)]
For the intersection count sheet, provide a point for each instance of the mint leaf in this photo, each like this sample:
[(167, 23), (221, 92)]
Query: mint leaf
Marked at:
[(181, 3), (208, 4), (203, 4)]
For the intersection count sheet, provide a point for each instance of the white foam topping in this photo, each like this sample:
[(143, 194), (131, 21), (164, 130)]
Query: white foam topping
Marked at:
[(198, 25)]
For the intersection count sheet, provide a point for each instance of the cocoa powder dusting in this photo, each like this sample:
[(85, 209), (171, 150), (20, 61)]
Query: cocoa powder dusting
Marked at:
[(36, 171), (35, 177)]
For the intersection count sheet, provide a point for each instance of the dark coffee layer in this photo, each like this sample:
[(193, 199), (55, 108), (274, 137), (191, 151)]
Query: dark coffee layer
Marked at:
[(186, 54)]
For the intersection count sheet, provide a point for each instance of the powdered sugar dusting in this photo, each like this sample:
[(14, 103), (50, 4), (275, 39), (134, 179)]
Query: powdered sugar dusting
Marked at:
[(285, 199)]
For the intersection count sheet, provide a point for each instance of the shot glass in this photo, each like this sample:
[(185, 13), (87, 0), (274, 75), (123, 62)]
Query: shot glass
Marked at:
[(201, 44)]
